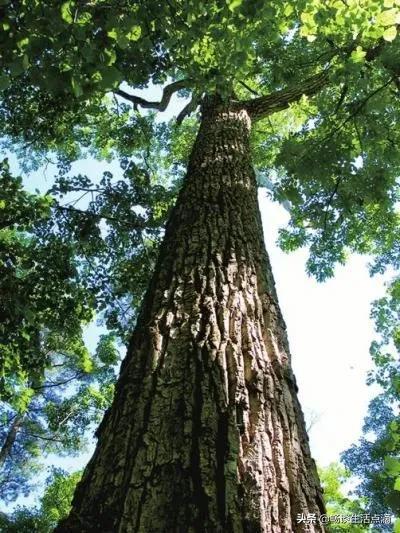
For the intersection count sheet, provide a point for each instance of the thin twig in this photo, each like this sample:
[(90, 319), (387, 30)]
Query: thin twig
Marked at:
[(249, 88), (162, 105)]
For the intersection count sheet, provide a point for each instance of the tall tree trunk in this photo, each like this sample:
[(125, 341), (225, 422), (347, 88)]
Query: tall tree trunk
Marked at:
[(10, 438), (205, 433)]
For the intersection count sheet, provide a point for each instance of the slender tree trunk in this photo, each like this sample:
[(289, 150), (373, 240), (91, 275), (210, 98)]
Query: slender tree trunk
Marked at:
[(205, 433), (10, 438)]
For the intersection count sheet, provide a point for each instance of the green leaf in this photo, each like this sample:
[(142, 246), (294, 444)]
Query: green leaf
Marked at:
[(121, 38), (307, 18), (234, 4), (110, 77), (23, 43), (113, 33), (87, 363), (84, 17), (397, 484), (23, 401), (392, 465), (135, 33), (123, 41), (66, 12), (288, 10), (76, 87), (18, 66), (110, 55), (390, 17), (358, 55), (390, 34), (88, 52), (4, 82), (396, 528)]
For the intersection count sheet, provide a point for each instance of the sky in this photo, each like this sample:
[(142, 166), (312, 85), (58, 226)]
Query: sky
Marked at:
[(328, 326), (329, 333)]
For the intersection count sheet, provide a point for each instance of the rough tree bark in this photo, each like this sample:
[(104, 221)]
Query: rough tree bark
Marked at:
[(205, 433), (10, 438)]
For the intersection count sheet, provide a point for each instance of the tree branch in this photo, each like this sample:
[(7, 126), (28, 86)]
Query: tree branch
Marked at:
[(358, 108), (343, 93), (351, 116), (263, 106), (59, 383), (259, 108), (252, 91), (330, 199), (188, 109), (125, 223), (162, 105), (42, 437)]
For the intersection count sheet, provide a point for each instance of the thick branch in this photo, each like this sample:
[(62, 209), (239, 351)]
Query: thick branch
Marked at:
[(259, 108), (278, 101), (98, 216), (168, 91)]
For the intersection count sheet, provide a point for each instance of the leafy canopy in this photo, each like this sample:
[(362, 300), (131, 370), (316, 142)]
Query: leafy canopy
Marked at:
[(55, 504), (375, 458), (67, 66), (333, 477)]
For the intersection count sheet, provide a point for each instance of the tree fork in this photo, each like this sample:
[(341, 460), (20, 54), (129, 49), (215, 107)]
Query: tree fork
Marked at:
[(205, 433)]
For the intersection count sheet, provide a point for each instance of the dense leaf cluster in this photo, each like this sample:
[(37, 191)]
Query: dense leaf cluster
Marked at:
[(54, 505), (375, 459), (337, 503)]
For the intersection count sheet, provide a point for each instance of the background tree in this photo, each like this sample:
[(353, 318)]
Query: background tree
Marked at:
[(333, 477), (62, 263), (52, 388), (240, 433), (375, 458), (55, 504)]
